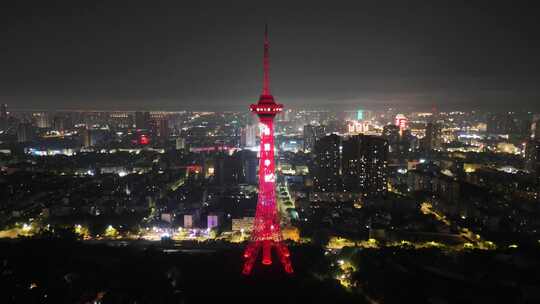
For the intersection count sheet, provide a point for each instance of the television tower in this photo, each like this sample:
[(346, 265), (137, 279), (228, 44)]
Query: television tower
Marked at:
[(266, 227)]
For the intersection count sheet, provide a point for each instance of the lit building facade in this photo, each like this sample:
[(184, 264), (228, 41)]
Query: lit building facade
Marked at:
[(357, 164), (327, 164), (364, 165)]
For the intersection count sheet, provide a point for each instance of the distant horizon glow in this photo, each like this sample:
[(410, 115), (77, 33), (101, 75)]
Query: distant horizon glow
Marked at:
[(74, 55)]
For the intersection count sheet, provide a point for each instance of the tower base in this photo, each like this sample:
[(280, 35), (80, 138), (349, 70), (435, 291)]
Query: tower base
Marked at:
[(253, 248)]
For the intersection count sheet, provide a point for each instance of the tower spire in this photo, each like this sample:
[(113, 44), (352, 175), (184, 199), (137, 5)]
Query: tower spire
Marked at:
[(266, 62)]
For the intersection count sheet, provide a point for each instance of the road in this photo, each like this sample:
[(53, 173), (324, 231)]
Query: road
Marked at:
[(284, 201)]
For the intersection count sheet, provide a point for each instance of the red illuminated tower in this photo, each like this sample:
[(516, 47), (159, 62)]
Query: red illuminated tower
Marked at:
[(266, 233)]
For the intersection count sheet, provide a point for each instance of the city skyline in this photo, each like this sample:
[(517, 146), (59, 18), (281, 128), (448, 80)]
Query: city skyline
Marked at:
[(171, 57), (400, 163)]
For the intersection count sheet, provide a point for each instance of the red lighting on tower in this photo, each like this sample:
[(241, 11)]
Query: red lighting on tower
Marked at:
[(402, 122), (266, 228), (144, 140)]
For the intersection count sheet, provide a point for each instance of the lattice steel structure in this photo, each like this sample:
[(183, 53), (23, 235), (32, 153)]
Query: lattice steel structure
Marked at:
[(266, 232)]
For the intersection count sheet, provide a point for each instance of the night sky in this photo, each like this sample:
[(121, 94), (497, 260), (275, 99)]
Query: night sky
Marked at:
[(208, 55)]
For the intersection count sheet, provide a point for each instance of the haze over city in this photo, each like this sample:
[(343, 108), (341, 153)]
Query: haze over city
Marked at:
[(163, 55), (293, 152)]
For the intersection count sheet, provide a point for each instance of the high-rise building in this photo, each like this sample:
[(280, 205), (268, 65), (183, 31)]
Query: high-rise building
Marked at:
[(338, 126), (355, 164), (159, 124), (162, 129), (3, 110), (359, 127), (250, 165), (62, 122), (266, 233), (41, 120), (501, 123), (121, 119), (326, 169), (25, 132), (3, 116), (399, 142), (364, 165), (535, 127), (228, 169), (524, 125), (532, 159), (248, 137), (391, 134), (180, 143), (142, 120), (407, 143), (432, 140), (86, 138), (239, 168), (311, 135), (375, 176), (93, 137), (287, 115), (532, 162)]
